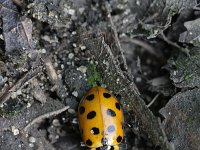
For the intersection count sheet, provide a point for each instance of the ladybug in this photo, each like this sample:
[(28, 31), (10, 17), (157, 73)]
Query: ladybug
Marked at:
[(101, 120)]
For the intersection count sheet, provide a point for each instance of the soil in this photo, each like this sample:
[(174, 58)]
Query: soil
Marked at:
[(145, 52)]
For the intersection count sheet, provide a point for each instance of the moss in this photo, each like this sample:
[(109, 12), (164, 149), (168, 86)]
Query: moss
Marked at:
[(187, 77), (94, 77), (7, 113)]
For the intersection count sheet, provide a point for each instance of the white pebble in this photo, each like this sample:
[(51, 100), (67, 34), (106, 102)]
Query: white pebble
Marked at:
[(31, 145), (74, 45), (71, 111), (56, 123), (32, 139), (74, 33), (14, 130), (71, 12), (75, 93), (82, 69), (81, 10), (19, 92), (83, 47), (71, 55), (138, 79), (62, 66)]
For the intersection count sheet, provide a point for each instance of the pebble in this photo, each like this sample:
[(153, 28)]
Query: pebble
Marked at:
[(71, 11), (13, 95), (74, 45), (56, 123), (83, 47), (71, 111), (31, 145), (19, 92), (75, 93), (138, 79), (81, 10), (32, 139), (14, 130), (62, 66), (82, 69), (74, 33), (71, 55)]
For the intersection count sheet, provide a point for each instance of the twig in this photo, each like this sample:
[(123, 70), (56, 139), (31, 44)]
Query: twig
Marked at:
[(153, 100), (42, 117), (184, 50), (170, 145), (142, 44), (107, 6), (18, 85)]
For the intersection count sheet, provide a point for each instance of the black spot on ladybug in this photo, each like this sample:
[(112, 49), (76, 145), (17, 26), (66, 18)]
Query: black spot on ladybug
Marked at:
[(111, 128), (90, 97), (111, 113), (95, 130), (117, 105), (119, 139), (106, 95), (112, 148), (89, 142), (91, 115), (81, 110)]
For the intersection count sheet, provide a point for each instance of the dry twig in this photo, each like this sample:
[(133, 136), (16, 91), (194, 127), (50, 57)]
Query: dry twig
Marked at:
[(142, 44), (18, 85), (108, 10), (42, 117)]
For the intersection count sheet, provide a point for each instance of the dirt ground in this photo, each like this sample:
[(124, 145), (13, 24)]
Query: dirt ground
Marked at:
[(145, 52)]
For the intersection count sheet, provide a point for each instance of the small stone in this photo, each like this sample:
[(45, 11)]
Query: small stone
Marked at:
[(13, 95), (56, 123), (75, 93), (28, 105), (60, 76), (74, 45), (71, 55), (138, 79), (14, 130), (74, 33), (81, 10), (43, 51), (74, 121), (71, 111), (31, 145), (71, 11), (19, 92), (32, 139), (62, 66), (82, 69), (68, 63), (83, 47)]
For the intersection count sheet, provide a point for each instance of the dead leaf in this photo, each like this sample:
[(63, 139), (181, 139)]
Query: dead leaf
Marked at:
[(182, 118), (184, 70), (17, 31), (192, 33)]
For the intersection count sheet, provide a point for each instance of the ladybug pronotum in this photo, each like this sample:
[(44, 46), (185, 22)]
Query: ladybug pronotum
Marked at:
[(100, 120)]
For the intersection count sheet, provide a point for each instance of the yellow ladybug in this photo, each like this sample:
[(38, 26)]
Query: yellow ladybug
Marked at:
[(101, 120)]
